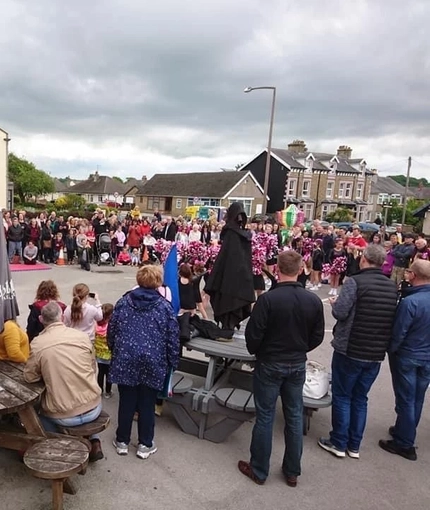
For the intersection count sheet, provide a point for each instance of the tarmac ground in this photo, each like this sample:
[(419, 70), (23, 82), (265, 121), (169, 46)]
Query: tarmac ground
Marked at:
[(190, 474)]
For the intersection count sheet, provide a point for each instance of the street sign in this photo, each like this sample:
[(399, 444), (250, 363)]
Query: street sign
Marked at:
[(196, 200)]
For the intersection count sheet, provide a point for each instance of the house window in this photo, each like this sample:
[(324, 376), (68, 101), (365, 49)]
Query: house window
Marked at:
[(306, 189), (141, 200), (308, 209), (397, 198), (345, 189), (361, 213), (324, 212), (292, 185), (206, 202), (329, 190), (383, 197), (91, 198), (100, 198), (156, 203), (309, 165), (247, 205), (179, 203), (359, 193)]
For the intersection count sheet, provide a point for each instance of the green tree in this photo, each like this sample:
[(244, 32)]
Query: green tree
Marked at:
[(70, 201), (413, 181), (118, 179), (28, 180), (340, 214)]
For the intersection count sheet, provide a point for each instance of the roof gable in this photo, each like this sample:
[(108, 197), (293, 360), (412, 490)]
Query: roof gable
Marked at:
[(99, 185)]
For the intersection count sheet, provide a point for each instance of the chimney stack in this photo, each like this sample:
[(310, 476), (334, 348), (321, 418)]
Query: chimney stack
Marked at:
[(96, 176), (344, 151), (297, 146), (144, 179)]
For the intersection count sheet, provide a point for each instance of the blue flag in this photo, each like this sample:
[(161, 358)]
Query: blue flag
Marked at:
[(171, 277)]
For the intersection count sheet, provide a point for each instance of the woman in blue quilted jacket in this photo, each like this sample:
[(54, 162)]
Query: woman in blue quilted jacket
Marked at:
[(143, 336)]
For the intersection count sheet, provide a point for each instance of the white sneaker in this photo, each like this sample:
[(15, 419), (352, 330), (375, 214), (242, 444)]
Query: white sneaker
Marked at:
[(313, 288), (319, 285), (334, 292), (330, 292), (354, 454), (143, 452), (121, 448)]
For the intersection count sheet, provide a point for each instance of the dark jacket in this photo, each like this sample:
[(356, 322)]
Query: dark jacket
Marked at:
[(169, 232), (365, 313), (15, 233), (402, 254), (411, 330), (143, 335), (34, 326), (285, 324)]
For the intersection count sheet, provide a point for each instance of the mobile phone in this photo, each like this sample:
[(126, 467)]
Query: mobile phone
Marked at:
[(92, 295)]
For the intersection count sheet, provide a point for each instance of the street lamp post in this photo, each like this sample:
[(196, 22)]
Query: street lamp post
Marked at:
[(269, 143)]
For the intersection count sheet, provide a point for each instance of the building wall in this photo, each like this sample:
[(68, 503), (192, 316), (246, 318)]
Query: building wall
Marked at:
[(3, 170)]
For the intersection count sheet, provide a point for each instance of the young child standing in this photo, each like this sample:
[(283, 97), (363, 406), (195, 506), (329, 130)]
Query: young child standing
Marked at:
[(186, 290), (317, 264), (102, 351), (337, 261)]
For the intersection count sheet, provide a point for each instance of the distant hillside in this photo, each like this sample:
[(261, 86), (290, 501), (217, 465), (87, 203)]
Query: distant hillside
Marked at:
[(413, 181)]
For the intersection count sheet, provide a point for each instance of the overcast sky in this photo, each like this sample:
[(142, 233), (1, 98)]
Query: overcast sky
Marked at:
[(137, 87)]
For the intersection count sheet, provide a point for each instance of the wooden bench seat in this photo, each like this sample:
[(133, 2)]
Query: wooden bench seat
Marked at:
[(181, 383), (56, 460), (235, 398), (88, 429)]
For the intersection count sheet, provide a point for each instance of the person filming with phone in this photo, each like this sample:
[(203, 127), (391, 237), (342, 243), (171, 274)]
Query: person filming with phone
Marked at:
[(82, 315)]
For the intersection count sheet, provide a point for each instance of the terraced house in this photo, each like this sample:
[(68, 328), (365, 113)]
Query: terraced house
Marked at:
[(316, 182)]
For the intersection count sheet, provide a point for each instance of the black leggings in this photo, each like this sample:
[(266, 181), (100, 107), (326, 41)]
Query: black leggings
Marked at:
[(104, 372)]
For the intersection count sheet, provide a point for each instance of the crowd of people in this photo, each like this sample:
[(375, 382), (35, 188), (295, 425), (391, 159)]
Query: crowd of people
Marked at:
[(81, 349)]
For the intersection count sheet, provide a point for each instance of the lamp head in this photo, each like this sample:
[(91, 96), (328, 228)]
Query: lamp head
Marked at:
[(248, 89)]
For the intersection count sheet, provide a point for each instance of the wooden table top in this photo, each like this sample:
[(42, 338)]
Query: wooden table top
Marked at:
[(15, 393), (232, 350)]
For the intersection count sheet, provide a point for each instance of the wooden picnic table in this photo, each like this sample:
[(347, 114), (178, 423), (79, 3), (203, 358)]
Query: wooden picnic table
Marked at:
[(19, 396)]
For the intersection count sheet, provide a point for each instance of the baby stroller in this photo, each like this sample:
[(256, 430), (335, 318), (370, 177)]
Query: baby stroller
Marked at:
[(104, 249)]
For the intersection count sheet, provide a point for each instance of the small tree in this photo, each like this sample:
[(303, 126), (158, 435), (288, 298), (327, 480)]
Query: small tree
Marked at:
[(27, 179), (70, 201), (340, 214)]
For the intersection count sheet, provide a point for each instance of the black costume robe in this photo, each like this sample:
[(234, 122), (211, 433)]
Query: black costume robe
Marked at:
[(230, 283)]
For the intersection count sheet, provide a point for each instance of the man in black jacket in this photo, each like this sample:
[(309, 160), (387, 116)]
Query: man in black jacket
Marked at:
[(365, 313), (169, 230), (285, 324)]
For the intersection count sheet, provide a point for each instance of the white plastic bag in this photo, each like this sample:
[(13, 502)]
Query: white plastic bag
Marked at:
[(317, 380)]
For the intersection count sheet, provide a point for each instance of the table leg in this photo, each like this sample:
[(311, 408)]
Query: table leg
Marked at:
[(210, 375), (31, 422)]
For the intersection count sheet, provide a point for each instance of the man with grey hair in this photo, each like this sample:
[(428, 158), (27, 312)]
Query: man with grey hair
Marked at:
[(365, 313), (63, 358)]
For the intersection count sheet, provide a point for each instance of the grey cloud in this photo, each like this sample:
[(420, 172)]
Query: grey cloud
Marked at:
[(107, 71)]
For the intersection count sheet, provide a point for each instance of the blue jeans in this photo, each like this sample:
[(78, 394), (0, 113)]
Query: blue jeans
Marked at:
[(15, 246), (270, 381), (411, 378), (140, 399), (351, 382), (50, 424)]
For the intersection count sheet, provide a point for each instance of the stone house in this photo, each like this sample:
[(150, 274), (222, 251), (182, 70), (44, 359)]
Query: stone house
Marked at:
[(171, 194), (99, 189), (384, 190), (316, 182)]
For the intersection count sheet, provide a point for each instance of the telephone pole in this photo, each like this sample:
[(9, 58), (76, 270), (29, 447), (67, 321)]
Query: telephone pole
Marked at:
[(405, 195)]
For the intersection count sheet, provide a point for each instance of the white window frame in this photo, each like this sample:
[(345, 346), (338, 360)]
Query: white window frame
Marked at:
[(179, 203), (396, 197), (330, 187), (348, 190), (100, 198), (359, 191), (205, 202), (306, 190), (291, 187), (247, 204), (309, 208), (383, 197)]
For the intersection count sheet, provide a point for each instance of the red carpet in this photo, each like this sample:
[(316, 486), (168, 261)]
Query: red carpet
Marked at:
[(22, 267)]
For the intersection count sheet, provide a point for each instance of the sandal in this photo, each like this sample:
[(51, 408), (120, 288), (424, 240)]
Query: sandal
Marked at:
[(246, 469)]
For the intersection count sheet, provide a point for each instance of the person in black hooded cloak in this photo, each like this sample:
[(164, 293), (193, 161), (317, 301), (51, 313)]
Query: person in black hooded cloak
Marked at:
[(230, 284)]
